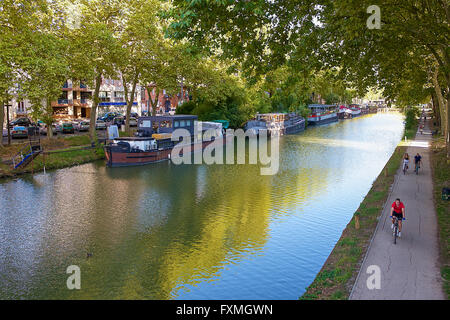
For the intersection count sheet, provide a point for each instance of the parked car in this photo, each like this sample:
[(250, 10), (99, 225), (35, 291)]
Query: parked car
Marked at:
[(57, 126), (21, 122), (133, 122), (83, 126), (19, 132), (43, 129), (67, 127), (109, 116), (100, 125), (118, 121)]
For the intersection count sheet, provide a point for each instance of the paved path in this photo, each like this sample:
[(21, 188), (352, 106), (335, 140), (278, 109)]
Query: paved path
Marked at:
[(409, 269)]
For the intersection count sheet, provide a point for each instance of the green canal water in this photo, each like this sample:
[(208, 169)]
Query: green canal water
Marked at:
[(163, 231)]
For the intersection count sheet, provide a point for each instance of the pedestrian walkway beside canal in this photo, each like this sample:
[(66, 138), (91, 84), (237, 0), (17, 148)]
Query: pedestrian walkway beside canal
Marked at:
[(410, 268)]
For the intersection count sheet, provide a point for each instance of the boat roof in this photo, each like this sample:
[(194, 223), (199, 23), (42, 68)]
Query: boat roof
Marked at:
[(170, 117), (133, 138), (322, 106)]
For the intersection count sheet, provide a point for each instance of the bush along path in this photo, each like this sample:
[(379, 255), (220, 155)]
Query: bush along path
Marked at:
[(441, 179)]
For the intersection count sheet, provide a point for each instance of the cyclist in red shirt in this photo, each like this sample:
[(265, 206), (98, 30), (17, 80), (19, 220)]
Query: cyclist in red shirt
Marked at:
[(398, 210)]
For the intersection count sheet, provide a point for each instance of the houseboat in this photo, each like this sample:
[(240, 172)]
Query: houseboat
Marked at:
[(154, 143), (341, 113), (373, 108), (354, 110), (322, 114), (364, 109), (276, 123)]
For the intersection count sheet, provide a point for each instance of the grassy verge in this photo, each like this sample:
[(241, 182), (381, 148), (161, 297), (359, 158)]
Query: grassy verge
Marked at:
[(441, 178), (60, 152), (337, 276)]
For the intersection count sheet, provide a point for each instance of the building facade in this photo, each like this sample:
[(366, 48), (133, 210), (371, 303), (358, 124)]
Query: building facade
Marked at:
[(76, 99)]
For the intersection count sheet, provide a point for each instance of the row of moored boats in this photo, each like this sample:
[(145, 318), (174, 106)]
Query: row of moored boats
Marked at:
[(154, 140)]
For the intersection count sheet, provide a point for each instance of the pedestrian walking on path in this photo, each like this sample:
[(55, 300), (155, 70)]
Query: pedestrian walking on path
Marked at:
[(410, 268)]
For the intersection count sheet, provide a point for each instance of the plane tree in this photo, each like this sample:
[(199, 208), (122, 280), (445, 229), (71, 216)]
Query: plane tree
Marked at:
[(94, 47), (264, 34), (17, 20)]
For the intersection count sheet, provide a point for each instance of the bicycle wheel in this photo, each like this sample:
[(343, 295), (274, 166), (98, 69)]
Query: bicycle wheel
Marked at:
[(395, 233)]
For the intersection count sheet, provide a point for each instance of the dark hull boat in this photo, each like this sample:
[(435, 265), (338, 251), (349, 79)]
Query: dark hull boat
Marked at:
[(120, 154), (276, 123), (322, 114), (154, 141)]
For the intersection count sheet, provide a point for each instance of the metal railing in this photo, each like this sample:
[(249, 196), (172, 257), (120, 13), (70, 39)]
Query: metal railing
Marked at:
[(23, 153), (65, 101)]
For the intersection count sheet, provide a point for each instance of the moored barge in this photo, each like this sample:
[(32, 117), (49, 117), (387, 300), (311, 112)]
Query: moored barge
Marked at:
[(322, 114), (154, 141), (276, 123)]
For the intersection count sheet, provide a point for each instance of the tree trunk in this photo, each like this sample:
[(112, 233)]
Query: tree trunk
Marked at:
[(49, 118), (130, 103), (154, 103), (2, 120), (437, 114), (447, 142), (92, 132), (441, 103)]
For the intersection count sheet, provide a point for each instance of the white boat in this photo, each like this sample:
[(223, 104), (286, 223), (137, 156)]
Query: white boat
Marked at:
[(322, 114), (276, 123)]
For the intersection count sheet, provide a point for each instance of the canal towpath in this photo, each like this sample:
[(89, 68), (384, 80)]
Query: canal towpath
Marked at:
[(409, 269)]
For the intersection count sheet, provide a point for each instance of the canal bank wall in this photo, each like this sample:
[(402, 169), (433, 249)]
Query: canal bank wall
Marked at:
[(338, 275)]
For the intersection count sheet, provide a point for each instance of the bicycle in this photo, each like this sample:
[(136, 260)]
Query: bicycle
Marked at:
[(395, 234), (395, 229), (405, 167)]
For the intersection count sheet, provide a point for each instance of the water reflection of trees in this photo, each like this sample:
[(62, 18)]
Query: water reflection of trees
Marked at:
[(198, 234)]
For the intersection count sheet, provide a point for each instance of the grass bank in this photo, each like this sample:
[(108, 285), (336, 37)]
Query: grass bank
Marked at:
[(337, 276), (59, 153), (441, 178)]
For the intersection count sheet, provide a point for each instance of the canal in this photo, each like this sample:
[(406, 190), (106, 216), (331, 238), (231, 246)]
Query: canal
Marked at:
[(192, 231)]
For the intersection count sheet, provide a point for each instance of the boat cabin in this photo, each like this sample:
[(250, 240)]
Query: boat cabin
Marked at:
[(272, 117), (318, 109), (147, 126)]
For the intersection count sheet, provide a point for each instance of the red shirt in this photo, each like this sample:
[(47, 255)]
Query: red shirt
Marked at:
[(398, 208)]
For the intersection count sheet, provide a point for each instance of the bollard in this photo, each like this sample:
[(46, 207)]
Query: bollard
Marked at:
[(43, 159)]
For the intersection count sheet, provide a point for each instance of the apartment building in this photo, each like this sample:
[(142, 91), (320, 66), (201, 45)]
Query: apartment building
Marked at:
[(19, 108), (76, 99)]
